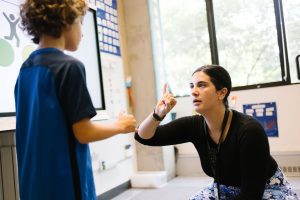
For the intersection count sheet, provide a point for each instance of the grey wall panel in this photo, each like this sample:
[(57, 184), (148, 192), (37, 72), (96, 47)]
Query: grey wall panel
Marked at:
[(8, 173), (14, 154), (8, 169)]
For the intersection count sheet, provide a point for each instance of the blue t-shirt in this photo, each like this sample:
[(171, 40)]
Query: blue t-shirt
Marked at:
[(51, 95)]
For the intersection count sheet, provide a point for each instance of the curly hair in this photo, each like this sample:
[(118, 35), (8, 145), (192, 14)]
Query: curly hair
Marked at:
[(50, 16)]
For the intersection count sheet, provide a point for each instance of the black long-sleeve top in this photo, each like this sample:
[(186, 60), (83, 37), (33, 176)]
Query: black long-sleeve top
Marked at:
[(245, 159)]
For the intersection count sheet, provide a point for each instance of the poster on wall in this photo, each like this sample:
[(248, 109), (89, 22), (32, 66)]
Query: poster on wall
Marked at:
[(107, 17), (266, 114), (15, 46)]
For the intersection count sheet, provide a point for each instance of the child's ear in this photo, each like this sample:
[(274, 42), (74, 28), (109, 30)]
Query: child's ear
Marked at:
[(67, 27)]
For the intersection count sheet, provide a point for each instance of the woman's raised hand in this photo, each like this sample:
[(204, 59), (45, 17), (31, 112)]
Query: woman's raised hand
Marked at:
[(166, 103)]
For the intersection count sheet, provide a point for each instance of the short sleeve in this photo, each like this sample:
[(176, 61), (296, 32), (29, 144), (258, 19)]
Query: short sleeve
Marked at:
[(73, 93)]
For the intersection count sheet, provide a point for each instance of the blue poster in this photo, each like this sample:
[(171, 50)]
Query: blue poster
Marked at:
[(108, 30), (266, 114)]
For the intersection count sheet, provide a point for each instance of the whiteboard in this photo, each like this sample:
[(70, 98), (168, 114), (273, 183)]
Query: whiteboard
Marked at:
[(16, 46)]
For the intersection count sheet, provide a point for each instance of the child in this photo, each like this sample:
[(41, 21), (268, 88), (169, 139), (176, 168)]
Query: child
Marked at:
[(53, 107)]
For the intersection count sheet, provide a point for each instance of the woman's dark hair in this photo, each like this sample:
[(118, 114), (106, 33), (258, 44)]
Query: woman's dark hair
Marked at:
[(50, 16), (219, 77)]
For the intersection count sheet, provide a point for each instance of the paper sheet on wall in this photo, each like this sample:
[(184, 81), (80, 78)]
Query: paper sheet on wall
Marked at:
[(114, 84)]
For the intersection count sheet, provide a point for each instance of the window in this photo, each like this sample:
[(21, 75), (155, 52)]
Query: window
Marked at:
[(246, 37), (184, 39), (247, 40)]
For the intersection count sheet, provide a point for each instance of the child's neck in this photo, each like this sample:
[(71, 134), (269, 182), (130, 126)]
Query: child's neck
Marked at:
[(51, 42)]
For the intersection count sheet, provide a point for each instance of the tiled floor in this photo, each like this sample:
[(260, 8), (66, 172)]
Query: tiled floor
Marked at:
[(181, 188)]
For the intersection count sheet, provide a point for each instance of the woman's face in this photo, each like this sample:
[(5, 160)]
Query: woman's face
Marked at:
[(204, 95)]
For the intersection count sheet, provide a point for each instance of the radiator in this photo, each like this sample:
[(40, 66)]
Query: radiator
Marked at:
[(8, 167), (289, 162), (291, 170)]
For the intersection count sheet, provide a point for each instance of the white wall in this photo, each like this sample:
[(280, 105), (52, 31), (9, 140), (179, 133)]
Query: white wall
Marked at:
[(119, 166), (287, 99)]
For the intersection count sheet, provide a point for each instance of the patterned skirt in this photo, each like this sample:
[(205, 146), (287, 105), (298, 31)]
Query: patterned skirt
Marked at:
[(277, 187)]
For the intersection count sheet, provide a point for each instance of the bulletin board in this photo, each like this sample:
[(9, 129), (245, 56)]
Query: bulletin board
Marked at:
[(108, 27), (266, 114)]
